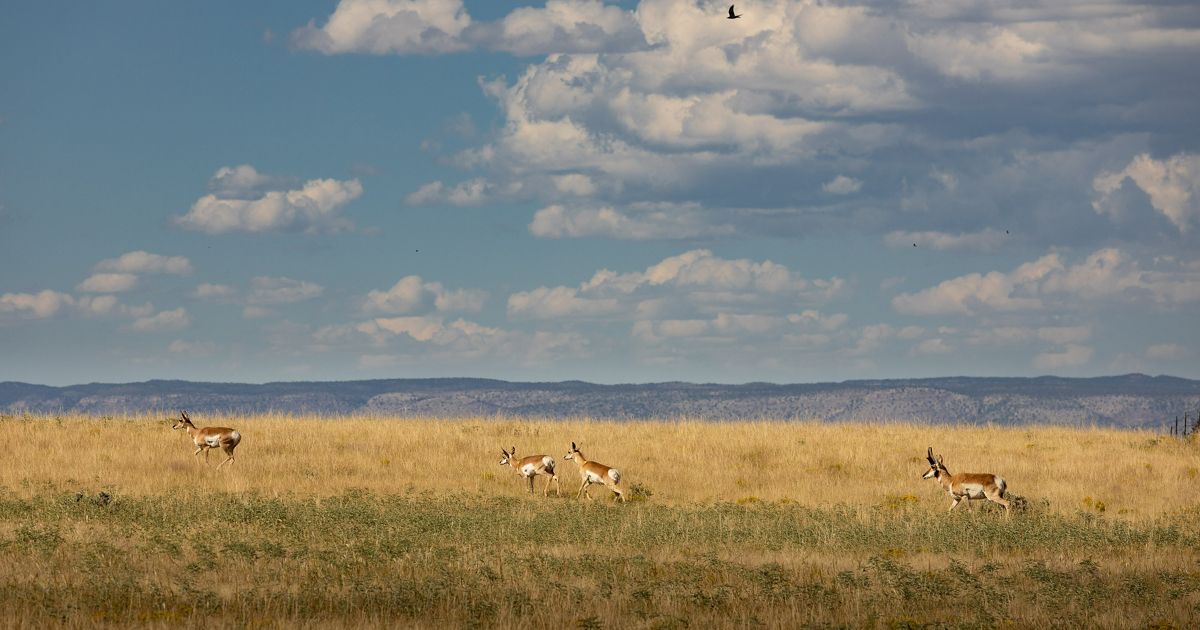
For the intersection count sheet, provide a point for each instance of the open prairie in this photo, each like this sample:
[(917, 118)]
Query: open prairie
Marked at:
[(412, 522)]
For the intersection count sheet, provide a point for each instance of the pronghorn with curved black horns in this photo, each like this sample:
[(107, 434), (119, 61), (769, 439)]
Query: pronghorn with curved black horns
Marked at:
[(595, 472), (532, 466), (966, 485), (210, 437)]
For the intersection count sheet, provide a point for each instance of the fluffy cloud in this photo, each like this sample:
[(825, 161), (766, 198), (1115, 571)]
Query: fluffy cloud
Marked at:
[(695, 281), (108, 305), (411, 294), (752, 126), (115, 275), (163, 321), (1105, 274), (108, 283), (314, 207), (47, 303), (443, 26), (1173, 186), (144, 262), (842, 185), (388, 26), (244, 182), (567, 26), (38, 305)]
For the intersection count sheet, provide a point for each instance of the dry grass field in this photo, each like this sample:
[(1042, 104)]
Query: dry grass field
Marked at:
[(412, 523)]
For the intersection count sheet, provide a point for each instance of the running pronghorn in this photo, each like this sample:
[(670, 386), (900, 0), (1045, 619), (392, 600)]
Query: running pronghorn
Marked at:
[(210, 437), (595, 472), (532, 466), (966, 485)]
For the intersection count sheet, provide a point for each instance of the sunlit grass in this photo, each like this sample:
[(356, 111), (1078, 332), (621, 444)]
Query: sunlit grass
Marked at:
[(385, 522), (1131, 474)]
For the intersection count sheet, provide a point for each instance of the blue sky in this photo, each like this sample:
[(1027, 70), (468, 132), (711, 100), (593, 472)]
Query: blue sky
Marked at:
[(616, 192)]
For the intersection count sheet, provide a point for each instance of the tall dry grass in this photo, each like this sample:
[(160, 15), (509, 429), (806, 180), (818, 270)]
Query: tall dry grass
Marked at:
[(378, 522), (1127, 474)]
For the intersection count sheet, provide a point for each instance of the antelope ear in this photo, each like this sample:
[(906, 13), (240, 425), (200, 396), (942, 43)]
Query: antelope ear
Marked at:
[(940, 461)]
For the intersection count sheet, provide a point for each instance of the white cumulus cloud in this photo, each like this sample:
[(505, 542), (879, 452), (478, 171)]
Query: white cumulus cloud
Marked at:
[(1173, 186), (1106, 274), (314, 207), (444, 26), (38, 305), (108, 283), (412, 293), (842, 185), (694, 282)]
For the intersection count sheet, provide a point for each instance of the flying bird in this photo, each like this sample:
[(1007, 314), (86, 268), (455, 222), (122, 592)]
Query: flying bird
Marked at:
[(732, 15)]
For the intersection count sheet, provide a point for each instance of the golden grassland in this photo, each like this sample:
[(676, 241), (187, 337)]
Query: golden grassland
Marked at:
[(411, 522), (1133, 474)]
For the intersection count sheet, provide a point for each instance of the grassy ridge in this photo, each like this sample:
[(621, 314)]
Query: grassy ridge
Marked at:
[(402, 523)]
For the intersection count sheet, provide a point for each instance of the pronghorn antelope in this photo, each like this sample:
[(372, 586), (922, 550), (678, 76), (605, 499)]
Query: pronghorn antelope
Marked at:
[(594, 472), (966, 485), (532, 466), (210, 437)]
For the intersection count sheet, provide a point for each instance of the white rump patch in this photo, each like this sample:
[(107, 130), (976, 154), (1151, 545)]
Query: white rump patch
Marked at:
[(615, 475)]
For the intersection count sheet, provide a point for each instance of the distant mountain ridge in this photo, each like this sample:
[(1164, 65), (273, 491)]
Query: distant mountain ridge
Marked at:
[(1131, 400)]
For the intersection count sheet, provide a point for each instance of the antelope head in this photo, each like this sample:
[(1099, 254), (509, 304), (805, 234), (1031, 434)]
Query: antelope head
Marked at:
[(183, 422), (506, 455), (572, 453), (935, 465)]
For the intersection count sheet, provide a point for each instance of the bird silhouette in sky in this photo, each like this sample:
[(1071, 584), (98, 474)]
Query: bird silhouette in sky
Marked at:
[(732, 15)]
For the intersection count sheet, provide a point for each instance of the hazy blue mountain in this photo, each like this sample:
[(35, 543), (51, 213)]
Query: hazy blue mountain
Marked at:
[(1132, 400)]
